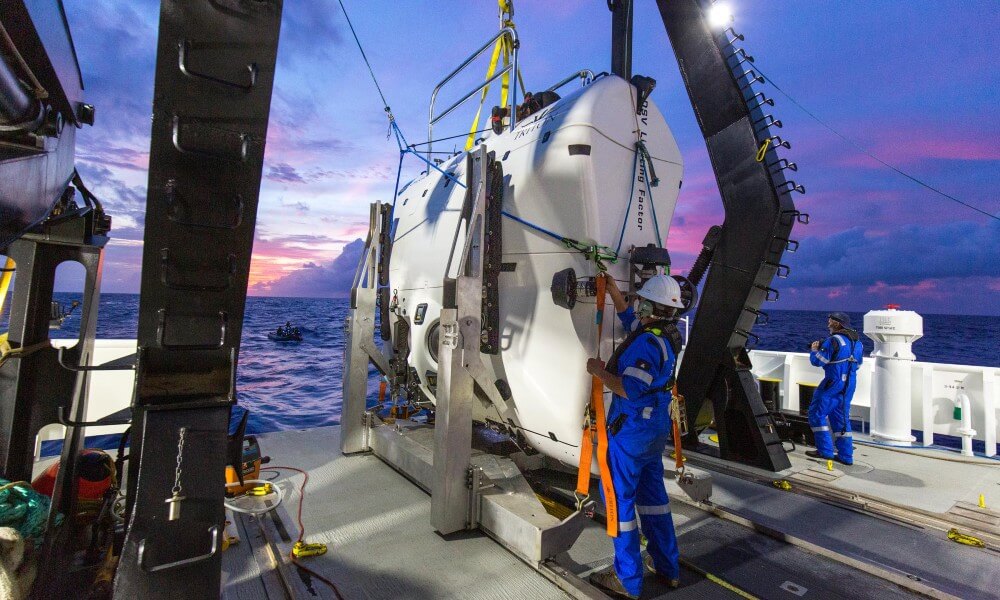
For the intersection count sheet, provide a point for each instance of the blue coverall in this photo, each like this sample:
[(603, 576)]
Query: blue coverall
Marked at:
[(635, 456), (840, 357)]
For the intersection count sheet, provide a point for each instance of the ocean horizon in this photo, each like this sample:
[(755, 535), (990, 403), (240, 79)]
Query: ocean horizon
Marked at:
[(296, 386)]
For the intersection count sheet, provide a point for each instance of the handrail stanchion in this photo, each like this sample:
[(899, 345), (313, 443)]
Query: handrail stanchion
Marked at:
[(506, 31), (585, 74)]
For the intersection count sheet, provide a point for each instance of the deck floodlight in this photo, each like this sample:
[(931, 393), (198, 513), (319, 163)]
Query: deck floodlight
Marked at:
[(720, 15)]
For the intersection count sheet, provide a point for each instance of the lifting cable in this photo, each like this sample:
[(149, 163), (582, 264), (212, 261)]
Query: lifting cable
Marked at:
[(594, 252), (503, 48), (404, 147), (858, 147), (444, 139)]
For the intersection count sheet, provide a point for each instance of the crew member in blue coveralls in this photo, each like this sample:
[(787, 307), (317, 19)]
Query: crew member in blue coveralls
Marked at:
[(840, 356), (641, 375)]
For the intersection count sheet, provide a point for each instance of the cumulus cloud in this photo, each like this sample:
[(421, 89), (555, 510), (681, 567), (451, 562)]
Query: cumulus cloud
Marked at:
[(314, 280)]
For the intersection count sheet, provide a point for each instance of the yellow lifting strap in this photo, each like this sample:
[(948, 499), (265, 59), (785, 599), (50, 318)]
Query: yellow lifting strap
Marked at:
[(503, 48)]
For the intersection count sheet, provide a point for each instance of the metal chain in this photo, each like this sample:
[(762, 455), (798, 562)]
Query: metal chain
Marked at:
[(180, 457)]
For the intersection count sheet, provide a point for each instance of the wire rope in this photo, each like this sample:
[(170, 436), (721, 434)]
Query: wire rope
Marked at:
[(385, 103), (860, 149)]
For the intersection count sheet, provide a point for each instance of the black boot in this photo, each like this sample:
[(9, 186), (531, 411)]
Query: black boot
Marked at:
[(816, 454), (608, 581), (647, 560)]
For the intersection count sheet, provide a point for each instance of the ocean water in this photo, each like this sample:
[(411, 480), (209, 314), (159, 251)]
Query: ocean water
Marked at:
[(298, 385)]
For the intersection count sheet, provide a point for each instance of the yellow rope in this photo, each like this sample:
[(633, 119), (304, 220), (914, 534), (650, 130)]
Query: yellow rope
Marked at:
[(5, 277), (763, 150), (965, 539)]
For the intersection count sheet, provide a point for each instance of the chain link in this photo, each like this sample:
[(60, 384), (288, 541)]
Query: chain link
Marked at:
[(180, 457)]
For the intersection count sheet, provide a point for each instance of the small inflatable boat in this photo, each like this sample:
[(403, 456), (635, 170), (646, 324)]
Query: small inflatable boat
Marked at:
[(294, 336)]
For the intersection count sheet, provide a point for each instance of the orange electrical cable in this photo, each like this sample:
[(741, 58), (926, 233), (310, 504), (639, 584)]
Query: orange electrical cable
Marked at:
[(302, 528)]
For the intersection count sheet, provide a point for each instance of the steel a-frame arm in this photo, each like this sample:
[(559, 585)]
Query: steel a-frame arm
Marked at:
[(715, 375), (214, 74)]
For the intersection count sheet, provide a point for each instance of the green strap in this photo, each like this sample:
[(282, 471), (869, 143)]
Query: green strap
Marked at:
[(596, 253)]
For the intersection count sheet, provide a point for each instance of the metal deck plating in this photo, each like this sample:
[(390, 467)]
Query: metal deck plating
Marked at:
[(381, 543)]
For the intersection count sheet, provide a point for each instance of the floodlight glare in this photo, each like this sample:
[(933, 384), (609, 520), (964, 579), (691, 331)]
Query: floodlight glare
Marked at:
[(719, 15)]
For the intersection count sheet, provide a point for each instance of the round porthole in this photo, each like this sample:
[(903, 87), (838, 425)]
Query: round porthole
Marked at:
[(434, 339)]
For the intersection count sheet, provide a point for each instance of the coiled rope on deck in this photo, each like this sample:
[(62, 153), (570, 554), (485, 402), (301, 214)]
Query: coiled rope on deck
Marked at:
[(24, 509)]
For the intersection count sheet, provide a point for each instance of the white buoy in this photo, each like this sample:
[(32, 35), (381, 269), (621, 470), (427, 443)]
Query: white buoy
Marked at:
[(894, 332)]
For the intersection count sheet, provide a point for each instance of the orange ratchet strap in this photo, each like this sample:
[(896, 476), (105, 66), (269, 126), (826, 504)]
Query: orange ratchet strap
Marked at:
[(596, 433)]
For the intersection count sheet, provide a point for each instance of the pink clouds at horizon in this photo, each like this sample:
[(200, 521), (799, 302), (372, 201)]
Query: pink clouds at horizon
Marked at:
[(928, 296), (908, 146)]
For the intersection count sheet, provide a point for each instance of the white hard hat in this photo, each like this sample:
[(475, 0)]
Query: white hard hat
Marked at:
[(662, 289)]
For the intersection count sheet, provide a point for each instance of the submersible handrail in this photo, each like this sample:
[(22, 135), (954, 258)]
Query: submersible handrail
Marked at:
[(585, 74), (511, 68)]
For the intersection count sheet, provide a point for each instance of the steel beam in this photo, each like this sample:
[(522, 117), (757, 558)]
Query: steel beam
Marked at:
[(36, 388), (461, 328), (759, 216), (621, 37), (212, 96), (502, 503), (359, 329)]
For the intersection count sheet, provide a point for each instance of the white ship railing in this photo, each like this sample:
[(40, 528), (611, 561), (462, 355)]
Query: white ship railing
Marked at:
[(934, 389), (110, 391), (933, 392)]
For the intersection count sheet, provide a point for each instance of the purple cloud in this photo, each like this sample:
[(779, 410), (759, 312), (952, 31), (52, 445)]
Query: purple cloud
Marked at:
[(284, 173)]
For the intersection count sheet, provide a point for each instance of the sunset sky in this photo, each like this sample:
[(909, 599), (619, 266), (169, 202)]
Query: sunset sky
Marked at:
[(915, 83)]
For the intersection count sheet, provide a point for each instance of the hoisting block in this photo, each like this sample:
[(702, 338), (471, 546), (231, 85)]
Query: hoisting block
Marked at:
[(696, 484)]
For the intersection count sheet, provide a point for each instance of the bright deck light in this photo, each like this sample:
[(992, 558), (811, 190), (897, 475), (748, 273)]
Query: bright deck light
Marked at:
[(720, 15)]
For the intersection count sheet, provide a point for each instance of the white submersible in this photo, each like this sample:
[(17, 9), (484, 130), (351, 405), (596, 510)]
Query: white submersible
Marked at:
[(894, 332)]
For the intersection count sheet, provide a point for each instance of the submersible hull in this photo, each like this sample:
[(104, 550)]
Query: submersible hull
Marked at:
[(570, 169)]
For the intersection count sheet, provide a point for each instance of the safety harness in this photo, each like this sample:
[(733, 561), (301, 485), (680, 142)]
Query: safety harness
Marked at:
[(850, 371), (661, 329), (678, 414), (595, 431)]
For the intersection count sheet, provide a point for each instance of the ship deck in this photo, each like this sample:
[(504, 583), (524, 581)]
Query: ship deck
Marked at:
[(750, 540)]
